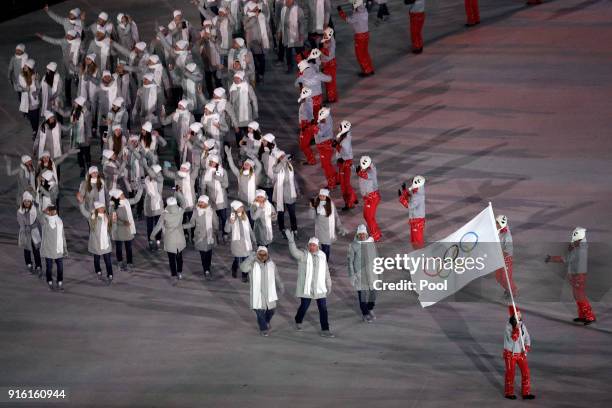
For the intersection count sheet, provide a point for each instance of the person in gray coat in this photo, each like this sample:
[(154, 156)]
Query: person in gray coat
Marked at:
[(242, 237), (214, 182), (29, 233), (264, 281), (327, 221), (263, 214), (16, 64), (26, 176), (361, 254), (153, 202), (124, 226), (53, 245), (205, 223), (291, 32), (99, 245), (248, 176), (171, 224), (285, 191), (313, 281)]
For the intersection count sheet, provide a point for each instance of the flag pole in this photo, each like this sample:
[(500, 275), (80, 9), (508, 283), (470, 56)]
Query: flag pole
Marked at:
[(511, 294)]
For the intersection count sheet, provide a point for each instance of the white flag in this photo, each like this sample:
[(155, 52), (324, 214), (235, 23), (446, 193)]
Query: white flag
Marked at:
[(448, 265)]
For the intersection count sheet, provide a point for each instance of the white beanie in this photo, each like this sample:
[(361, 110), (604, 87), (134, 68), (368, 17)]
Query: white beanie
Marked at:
[(107, 153), (324, 192), (269, 137), (103, 16), (115, 193), (362, 229), (156, 168), (25, 158), (106, 72), (236, 205), (203, 199), (140, 46), (177, 13), (45, 153), (118, 101), (147, 126), (195, 127), (91, 56), (213, 158), (20, 47), (260, 193), (71, 33), (262, 249), (30, 63), (191, 66), (52, 66), (92, 169), (170, 201), (48, 115), (219, 92), (98, 204), (80, 100), (26, 196), (253, 125), (313, 240), (239, 41), (239, 74)]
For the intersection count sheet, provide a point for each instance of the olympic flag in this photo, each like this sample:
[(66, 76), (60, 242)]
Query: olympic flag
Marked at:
[(448, 265)]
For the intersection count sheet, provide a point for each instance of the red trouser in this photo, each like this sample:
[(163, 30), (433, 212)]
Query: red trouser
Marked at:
[(511, 360), (416, 29), (417, 229), (329, 68), (348, 194), (362, 53), (500, 275), (472, 11), (578, 282), (325, 156), (370, 204), (317, 101), (306, 135)]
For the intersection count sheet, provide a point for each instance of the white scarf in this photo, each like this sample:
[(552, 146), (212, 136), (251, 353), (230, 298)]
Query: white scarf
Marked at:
[(111, 91), (209, 122), (156, 200), (186, 188), (181, 58), (56, 223), (246, 226), (251, 187), (263, 28), (292, 36), (320, 11), (32, 214), (224, 31), (207, 212), (151, 101), (104, 241), (208, 177), (243, 100), (104, 49), (280, 188), (331, 220), (267, 210), (29, 96), (128, 209), (45, 92), (158, 70), (75, 45), (320, 285), (56, 135), (256, 280)]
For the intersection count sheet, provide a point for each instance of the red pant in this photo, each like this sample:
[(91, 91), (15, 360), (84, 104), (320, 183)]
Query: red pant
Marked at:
[(500, 275), (329, 68), (317, 101), (325, 155), (578, 282), (362, 53), (417, 229), (472, 11), (511, 360), (306, 135), (416, 29), (370, 204), (348, 194)]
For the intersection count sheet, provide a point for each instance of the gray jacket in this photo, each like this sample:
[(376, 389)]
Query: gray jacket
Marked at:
[(259, 227), (94, 245), (121, 228), (322, 231), (201, 233), (27, 228), (171, 224), (247, 267), (239, 247), (301, 257), (48, 247), (361, 255)]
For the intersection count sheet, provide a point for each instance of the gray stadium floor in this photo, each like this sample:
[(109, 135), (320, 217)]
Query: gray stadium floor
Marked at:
[(515, 111)]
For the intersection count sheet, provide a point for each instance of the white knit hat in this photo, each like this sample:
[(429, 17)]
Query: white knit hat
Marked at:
[(48, 115), (313, 240), (103, 16), (118, 101), (26, 196), (177, 13), (195, 127), (203, 199), (191, 67), (210, 106), (52, 66), (213, 158), (269, 137), (219, 92), (262, 248), (156, 168), (107, 153), (115, 193), (98, 204), (20, 47), (236, 205), (362, 229), (170, 201), (210, 143), (324, 192), (92, 169), (239, 74), (140, 46), (260, 193), (302, 65), (253, 125), (30, 63), (80, 101), (147, 126), (25, 158)]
